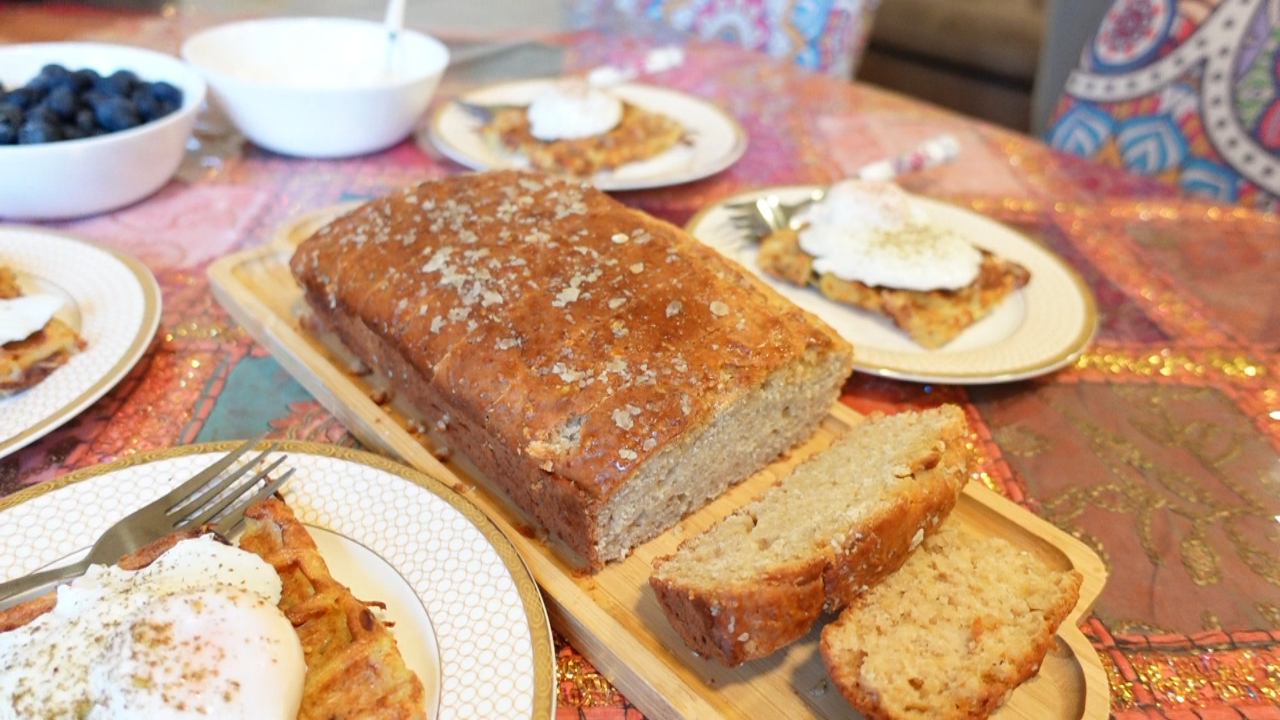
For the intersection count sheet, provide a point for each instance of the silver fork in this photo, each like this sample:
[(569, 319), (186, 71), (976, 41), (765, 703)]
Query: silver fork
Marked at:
[(767, 213), (481, 112), (189, 505)]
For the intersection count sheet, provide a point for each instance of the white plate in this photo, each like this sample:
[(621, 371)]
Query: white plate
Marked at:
[(468, 617), (717, 140), (1039, 328), (112, 300)]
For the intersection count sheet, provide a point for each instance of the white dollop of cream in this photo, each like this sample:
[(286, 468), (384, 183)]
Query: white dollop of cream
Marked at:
[(869, 232), (23, 316), (197, 634), (572, 108)]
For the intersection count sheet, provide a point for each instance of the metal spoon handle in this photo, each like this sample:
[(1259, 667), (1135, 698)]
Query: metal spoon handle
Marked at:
[(395, 23)]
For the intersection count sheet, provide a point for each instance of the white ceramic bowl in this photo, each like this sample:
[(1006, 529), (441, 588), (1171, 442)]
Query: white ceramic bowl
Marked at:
[(73, 178), (318, 87)]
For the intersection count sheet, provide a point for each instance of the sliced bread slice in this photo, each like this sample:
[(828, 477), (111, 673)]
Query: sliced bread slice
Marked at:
[(949, 635), (833, 527)]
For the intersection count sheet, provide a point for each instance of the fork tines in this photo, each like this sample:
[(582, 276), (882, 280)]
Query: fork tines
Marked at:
[(224, 501)]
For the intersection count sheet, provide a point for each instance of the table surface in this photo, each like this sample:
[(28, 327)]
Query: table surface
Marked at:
[(1159, 447)]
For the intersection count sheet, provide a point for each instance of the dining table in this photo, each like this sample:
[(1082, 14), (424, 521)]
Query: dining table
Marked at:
[(1157, 446)]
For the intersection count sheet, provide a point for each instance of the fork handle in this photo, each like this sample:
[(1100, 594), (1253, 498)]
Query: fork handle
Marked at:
[(35, 584)]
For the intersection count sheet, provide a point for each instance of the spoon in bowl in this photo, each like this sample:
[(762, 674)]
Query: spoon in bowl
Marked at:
[(395, 23)]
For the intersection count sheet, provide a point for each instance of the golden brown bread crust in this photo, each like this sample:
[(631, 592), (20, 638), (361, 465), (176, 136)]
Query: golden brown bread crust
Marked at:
[(354, 669), (754, 617), (746, 621), (24, 363), (931, 317), (559, 339), (896, 529), (639, 135), (846, 669)]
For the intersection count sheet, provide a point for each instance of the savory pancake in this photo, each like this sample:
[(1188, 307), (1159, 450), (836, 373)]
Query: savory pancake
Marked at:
[(354, 669), (639, 135), (931, 317), (23, 363)]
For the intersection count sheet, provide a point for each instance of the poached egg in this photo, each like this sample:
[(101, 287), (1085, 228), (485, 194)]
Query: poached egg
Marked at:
[(23, 316), (196, 634), (573, 108), (869, 232)]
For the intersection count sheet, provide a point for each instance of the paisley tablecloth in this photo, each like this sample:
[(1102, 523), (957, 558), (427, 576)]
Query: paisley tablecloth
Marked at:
[(1159, 447)]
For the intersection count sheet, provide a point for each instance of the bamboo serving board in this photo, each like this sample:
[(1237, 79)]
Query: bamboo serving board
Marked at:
[(612, 617)]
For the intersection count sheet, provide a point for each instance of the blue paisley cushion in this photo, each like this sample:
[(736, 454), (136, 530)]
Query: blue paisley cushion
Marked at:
[(1184, 90), (823, 35)]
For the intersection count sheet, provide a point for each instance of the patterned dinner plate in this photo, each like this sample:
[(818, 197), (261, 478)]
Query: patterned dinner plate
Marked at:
[(1043, 326), (467, 616), (715, 140), (110, 298)]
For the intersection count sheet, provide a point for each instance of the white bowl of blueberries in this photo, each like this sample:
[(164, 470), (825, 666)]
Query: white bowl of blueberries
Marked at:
[(90, 127)]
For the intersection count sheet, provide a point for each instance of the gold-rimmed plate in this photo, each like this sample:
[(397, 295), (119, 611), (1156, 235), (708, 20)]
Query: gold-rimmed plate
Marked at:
[(110, 299), (714, 139), (467, 616), (1039, 328)]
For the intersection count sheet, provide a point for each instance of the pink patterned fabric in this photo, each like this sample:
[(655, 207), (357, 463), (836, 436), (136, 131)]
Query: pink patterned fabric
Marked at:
[(823, 35)]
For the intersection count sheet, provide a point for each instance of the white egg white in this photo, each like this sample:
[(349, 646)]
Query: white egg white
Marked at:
[(573, 109), (22, 316), (869, 232), (197, 634)]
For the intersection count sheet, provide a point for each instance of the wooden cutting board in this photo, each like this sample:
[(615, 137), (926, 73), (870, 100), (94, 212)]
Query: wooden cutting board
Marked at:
[(612, 617)]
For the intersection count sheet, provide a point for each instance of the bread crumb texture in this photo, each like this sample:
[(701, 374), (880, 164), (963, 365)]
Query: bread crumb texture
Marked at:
[(964, 621), (826, 532)]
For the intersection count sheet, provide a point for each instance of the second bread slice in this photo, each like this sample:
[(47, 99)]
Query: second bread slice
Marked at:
[(833, 527)]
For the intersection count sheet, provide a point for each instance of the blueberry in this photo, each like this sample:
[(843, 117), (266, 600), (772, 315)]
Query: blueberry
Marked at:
[(42, 113), (165, 93), (148, 107), (62, 101), (82, 80), (10, 120), (118, 84), (116, 114), (23, 97), (50, 78), (38, 131), (11, 114), (93, 97), (71, 132), (86, 122)]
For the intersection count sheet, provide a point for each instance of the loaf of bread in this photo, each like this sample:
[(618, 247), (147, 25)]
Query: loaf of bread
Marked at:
[(607, 371), (833, 527), (953, 632)]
